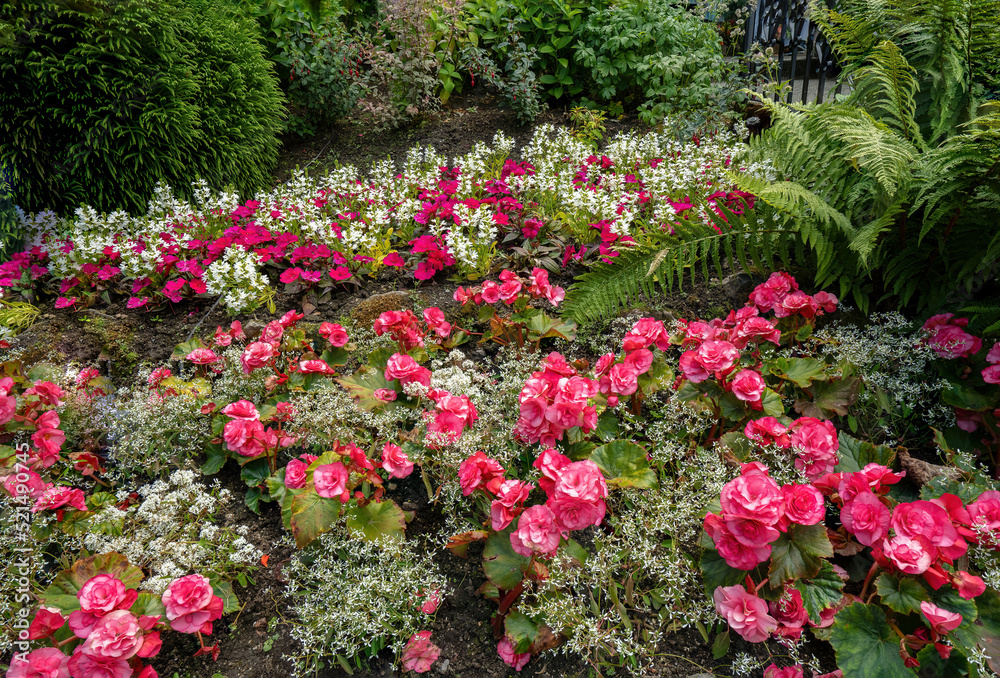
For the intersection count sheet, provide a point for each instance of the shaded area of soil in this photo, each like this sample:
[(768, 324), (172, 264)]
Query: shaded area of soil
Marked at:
[(452, 131)]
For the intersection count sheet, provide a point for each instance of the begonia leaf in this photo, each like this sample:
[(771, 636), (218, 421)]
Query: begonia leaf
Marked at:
[(716, 572), (216, 458), (737, 443), (931, 663), (624, 464), (255, 471), (363, 384), (458, 544), (829, 398), (149, 604), (520, 630), (335, 356), (772, 403), (821, 591), (866, 646), (377, 519), (61, 593), (902, 594), (503, 565), (855, 454), (311, 516), (223, 589), (797, 554), (801, 371)]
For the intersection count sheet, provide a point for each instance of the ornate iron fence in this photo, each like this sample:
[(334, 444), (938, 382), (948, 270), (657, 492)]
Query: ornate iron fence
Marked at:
[(804, 56)]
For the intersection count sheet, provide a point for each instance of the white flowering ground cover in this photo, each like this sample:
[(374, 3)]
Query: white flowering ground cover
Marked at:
[(456, 479)]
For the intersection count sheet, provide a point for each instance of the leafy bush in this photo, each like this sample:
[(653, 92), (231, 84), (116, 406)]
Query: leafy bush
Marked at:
[(102, 100), (652, 54), (894, 188)]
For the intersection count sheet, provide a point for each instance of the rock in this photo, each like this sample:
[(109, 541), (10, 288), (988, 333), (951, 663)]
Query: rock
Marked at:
[(443, 667), (371, 308), (921, 472), (737, 287)]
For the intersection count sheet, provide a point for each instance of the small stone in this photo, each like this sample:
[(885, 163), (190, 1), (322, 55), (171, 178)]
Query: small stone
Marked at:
[(737, 287), (443, 667)]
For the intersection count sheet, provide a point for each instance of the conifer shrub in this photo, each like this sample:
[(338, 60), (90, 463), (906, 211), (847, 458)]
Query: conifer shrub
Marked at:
[(102, 99)]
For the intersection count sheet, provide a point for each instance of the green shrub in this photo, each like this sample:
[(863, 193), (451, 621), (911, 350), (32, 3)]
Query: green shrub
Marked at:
[(651, 54), (103, 99)]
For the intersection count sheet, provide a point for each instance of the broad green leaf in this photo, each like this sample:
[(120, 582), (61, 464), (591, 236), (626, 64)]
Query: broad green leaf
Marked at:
[(947, 598), (902, 594), (575, 551), (731, 407), (797, 554), (363, 384), (61, 593), (967, 398), (772, 403), (931, 664), (377, 519), (829, 398), (45, 372), (520, 630), (855, 454), (716, 572), (148, 604), (252, 499), (224, 590), (607, 426), (216, 458), (721, 645), (801, 371), (865, 645), (624, 464), (255, 472), (737, 443), (822, 591), (503, 565), (335, 356), (181, 351), (311, 516)]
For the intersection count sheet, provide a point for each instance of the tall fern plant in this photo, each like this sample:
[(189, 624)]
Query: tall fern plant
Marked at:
[(895, 187)]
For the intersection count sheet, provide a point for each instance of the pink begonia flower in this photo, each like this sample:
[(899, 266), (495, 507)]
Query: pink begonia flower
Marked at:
[(58, 497), (745, 613), (272, 333), (295, 474), (576, 514), (430, 605), (717, 356), (604, 363), (49, 442), (116, 635), (241, 409), (767, 431), (480, 472), (942, 621), (246, 437), (315, 367), (516, 661), (104, 593), (645, 333), (753, 495), (911, 555), (420, 653), (45, 662), (395, 461), (510, 498), (434, 317), (47, 392), (202, 356), (748, 386), (581, 480), (550, 463), (932, 521), (867, 518), (537, 532), (790, 613), (623, 379), (25, 482), (968, 585), (386, 395), (803, 504), (334, 333), (773, 671), (330, 480), (256, 355), (191, 604), (691, 367), (85, 666), (816, 444), (736, 555), (798, 303), (406, 369), (751, 532), (991, 374), (46, 622)]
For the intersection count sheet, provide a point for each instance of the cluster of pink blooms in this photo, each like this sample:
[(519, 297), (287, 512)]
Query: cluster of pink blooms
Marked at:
[(404, 327), (420, 653), (814, 441), (332, 481), (617, 379), (756, 511), (512, 287), (114, 639), (452, 414), (781, 295), (245, 434), (553, 400)]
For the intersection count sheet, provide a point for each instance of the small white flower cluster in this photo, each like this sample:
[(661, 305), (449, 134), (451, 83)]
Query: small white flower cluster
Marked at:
[(236, 277), (170, 532), (349, 594)]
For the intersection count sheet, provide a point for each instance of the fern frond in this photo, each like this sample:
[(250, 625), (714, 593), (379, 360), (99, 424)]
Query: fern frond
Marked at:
[(640, 271), (875, 148), (885, 87)]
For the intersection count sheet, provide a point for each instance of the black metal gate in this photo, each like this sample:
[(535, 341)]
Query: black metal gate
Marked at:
[(804, 56)]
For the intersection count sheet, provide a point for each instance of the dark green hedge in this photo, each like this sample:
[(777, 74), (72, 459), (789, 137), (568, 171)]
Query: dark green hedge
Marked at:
[(101, 99)]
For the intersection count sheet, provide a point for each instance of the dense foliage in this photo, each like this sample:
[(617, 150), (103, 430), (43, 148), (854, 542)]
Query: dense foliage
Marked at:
[(103, 100)]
